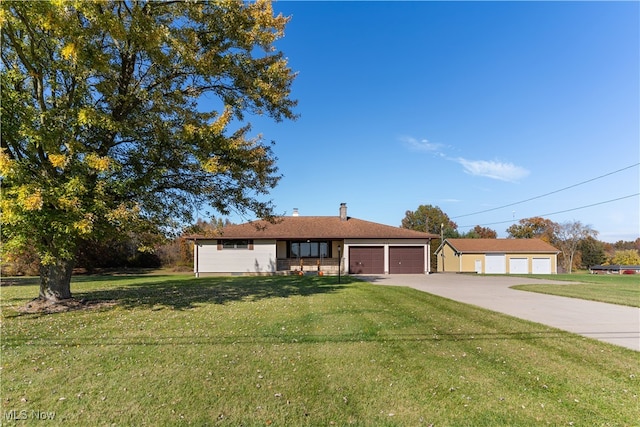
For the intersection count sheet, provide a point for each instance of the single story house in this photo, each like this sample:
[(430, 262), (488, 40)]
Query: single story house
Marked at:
[(497, 256), (614, 269), (312, 244)]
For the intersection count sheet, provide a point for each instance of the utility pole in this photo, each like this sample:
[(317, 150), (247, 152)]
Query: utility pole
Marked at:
[(442, 245)]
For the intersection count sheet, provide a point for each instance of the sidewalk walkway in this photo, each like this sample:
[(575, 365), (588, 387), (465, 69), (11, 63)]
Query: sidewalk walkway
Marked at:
[(615, 324)]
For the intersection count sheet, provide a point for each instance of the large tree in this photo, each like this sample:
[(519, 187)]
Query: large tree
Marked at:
[(430, 219), (592, 252), (534, 227), (569, 235), (479, 232), (121, 114)]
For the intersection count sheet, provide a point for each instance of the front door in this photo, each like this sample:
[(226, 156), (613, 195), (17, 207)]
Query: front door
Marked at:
[(479, 266)]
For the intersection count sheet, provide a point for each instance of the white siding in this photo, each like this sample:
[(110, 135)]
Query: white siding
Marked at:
[(260, 259)]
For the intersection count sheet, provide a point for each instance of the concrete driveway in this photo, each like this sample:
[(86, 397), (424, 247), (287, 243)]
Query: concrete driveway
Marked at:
[(615, 324)]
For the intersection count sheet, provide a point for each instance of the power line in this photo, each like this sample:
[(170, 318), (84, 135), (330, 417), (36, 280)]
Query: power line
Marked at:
[(548, 194), (559, 212)]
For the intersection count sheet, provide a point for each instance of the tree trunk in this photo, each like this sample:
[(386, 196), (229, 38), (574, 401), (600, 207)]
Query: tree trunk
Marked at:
[(55, 280)]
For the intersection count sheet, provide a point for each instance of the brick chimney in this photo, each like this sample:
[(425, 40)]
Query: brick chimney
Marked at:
[(343, 211)]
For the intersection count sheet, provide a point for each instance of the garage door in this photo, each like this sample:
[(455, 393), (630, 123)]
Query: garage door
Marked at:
[(366, 260), (541, 266), (495, 264), (518, 266), (406, 260)]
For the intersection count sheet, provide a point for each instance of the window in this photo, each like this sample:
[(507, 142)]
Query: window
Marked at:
[(309, 249), (236, 244)]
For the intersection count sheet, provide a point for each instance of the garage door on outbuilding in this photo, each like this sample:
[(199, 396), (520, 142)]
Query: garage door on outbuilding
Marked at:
[(541, 266), (366, 260), (406, 260), (518, 265), (495, 264), (497, 256)]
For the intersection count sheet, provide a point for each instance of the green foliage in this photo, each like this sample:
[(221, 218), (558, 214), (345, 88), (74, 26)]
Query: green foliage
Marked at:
[(622, 244), (102, 129), (626, 257), (534, 227), (479, 232), (592, 252), (430, 219)]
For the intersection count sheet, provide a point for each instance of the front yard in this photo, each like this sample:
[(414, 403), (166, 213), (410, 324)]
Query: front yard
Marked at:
[(612, 288), (257, 351)]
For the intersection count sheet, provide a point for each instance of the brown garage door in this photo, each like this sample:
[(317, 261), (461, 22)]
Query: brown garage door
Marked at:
[(406, 260), (366, 260)]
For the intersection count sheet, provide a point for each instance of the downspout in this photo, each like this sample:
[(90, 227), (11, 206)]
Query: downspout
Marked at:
[(196, 256), (428, 256)]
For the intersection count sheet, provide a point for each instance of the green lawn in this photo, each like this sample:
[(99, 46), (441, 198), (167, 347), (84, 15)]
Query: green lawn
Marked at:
[(613, 288), (295, 351)]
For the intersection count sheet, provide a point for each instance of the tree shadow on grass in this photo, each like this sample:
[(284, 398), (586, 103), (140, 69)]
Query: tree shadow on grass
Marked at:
[(183, 293), (103, 275)]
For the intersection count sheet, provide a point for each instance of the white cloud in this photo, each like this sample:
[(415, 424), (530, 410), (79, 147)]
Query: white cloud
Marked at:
[(492, 169), (421, 144), (487, 168)]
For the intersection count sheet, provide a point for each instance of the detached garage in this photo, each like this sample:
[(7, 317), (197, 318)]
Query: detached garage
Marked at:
[(497, 256)]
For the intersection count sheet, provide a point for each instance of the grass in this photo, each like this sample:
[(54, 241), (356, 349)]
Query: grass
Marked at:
[(258, 351), (619, 289)]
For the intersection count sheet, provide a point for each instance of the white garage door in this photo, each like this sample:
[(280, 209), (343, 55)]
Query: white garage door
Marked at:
[(541, 266), (495, 264), (518, 266)]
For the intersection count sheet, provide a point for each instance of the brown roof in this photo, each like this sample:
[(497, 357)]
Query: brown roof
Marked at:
[(500, 245), (316, 227)]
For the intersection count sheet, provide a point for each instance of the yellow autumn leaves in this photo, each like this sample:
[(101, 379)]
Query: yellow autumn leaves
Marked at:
[(96, 118), (32, 197), (6, 164), (69, 52), (98, 163), (32, 201), (91, 160), (27, 198)]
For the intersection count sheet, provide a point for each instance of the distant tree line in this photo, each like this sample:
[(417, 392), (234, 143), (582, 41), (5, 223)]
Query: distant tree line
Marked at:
[(578, 244), (579, 248), (151, 249)]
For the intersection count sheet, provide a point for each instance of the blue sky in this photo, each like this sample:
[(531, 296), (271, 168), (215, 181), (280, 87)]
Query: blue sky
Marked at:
[(468, 106)]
